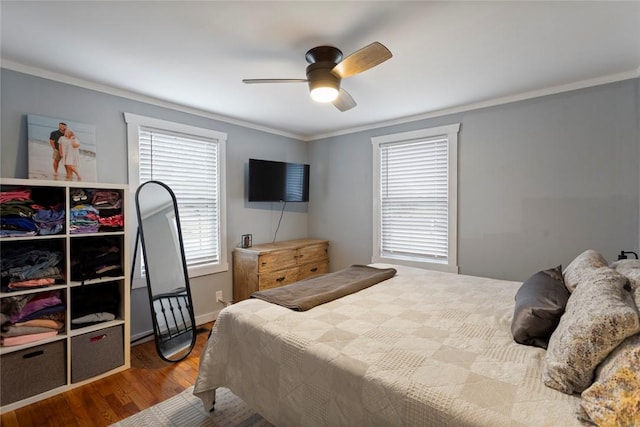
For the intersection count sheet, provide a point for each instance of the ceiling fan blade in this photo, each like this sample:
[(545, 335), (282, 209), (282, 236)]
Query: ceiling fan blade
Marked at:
[(344, 101), (362, 60), (252, 81)]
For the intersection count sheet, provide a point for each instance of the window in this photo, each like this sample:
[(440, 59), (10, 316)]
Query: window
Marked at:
[(415, 198), (190, 161)]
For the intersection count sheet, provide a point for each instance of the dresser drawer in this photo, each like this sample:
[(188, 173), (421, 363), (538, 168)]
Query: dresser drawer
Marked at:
[(277, 278), (277, 260), (313, 269), (311, 253)]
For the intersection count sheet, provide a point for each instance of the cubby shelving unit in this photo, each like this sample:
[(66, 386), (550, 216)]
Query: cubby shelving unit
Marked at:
[(80, 352)]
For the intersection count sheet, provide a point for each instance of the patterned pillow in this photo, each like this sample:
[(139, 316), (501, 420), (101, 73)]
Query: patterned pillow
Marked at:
[(630, 268), (580, 266), (540, 302), (599, 315), (612, 399)]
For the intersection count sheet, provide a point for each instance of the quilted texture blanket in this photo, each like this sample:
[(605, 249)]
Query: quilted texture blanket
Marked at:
[(308, 293), (423, 348)]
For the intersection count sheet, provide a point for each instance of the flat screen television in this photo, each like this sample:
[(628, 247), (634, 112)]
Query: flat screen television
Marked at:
[(271, 181)]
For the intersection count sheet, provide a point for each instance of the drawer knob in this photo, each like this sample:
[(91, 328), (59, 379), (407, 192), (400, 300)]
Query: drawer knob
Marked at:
[(280, 279), (314, 269)]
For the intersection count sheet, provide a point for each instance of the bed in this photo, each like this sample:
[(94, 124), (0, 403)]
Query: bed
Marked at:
[(423, 348)]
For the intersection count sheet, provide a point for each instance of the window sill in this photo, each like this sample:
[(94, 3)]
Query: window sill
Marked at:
[(418, 264), (205, 270)]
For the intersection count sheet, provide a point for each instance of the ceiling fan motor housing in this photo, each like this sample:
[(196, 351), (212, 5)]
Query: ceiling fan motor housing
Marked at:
[(322, 59), (320, 75), (323, 53)]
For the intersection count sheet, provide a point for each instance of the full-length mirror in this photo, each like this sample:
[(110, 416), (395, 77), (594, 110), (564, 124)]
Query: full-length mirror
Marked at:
[(165, 269)]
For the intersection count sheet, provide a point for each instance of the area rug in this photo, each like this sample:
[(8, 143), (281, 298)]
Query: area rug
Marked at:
[(186, 410)]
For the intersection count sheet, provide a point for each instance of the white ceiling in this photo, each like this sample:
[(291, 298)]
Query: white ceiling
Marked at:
[(447, 56)]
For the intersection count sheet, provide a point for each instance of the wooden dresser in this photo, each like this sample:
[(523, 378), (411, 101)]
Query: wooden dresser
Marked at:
[(277, 264)]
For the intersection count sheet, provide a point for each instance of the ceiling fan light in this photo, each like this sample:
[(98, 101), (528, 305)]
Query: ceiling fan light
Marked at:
[(324, 94)]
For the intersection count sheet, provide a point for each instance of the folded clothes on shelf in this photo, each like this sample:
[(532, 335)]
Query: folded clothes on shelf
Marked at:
[(49, 220), (22, 216), (79, 195), (95, 303), (22, 267), (96, 258), (30, 318), (106, 199), (26, 339)]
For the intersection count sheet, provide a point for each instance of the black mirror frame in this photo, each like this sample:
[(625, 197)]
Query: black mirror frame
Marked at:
[(156, 332)]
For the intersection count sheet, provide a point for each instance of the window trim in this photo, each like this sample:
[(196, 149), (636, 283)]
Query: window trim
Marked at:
[(134, 123), (451, 132)]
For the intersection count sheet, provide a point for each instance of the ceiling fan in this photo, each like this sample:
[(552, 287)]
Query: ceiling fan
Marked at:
[(326, 70)]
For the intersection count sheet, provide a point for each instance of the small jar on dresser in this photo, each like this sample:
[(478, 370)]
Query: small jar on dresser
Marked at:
[(276, 264)]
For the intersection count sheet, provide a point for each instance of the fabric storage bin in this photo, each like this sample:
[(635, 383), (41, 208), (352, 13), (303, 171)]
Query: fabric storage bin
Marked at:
[(32, 371), (96, 352)]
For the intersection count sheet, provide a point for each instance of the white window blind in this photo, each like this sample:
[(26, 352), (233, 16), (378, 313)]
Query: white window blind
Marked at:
[(189, 166), (414, 199), (415, 195)]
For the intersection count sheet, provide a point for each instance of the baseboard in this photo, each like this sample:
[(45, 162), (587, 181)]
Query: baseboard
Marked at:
[(145, 336), (207, 317), (141, 337)]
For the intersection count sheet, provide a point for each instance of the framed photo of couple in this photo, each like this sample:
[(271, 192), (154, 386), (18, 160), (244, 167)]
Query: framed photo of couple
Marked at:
[(61, 149)]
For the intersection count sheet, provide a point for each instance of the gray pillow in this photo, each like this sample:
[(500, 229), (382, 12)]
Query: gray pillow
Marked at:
[(599, 315), (540, 302)]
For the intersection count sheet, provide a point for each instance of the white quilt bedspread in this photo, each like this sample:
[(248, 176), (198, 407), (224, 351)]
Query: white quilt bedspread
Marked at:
[(423, 348)]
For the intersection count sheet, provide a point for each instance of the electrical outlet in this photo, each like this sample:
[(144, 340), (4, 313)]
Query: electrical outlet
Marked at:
[(219, 296)]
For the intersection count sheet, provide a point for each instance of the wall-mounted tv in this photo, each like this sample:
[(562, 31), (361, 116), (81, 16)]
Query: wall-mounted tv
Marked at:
[(271, 181)]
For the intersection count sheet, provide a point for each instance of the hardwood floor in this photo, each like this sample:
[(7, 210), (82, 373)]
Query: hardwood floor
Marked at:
[(101, 403)]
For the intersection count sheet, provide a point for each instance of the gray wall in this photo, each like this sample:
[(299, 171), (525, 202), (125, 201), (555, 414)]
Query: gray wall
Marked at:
[(539, 182), (23, 94)]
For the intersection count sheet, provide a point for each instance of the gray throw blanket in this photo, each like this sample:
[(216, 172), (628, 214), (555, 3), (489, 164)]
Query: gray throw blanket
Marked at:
[(308, 293)]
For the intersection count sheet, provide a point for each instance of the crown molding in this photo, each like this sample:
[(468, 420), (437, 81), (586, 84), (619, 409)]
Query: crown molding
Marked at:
[(86, 84), (38, 72), (598, 81)]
